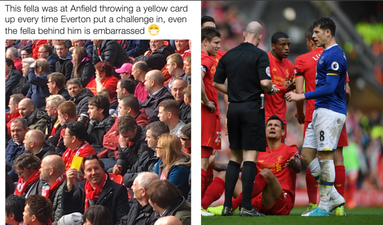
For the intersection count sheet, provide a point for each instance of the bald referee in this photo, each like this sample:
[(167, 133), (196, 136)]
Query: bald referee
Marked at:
[(247, 70)]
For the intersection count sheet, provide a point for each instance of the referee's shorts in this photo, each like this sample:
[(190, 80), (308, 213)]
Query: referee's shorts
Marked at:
[(246, 126)]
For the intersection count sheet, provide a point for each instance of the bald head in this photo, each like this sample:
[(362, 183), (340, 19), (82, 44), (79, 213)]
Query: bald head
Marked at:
[(55, 162), (168, 220), (253, 33), (26, 107), (157, 77), (37, 137), (145, 178)]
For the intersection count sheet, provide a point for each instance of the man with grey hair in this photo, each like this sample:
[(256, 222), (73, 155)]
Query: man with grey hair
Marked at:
[(154, 84), (13, 54), (23, 84), (53, 124), (34, 143), (141, 211)]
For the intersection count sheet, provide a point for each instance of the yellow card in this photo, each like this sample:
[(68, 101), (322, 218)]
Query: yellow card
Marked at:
[(76, 162)]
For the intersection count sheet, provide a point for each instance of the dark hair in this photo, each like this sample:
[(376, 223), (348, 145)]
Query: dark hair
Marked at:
[(142, 65), (130, 101), (325, 23), (78, 129), (105, 66), (277, 35), (170, 105), (90, 157), (27, 161), (275, 117), (205, 19), (209, 33), (309, 33), (16, 98), (74, 81), (23, 122), (126, 123), (187, 130), (28, 49), (98, 215), (15, 204), (9, 62), (163, 193), (41, 207), (58, 78), (48, 48), (81, 54), (128, 84), (157, 128), (101, 102)]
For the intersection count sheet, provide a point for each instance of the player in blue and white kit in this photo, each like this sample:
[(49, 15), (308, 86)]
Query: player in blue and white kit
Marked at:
[(323, 132)]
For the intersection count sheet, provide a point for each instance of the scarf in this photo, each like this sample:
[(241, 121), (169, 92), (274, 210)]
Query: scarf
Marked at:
[(46, 190), (91, 195), (23, 186)]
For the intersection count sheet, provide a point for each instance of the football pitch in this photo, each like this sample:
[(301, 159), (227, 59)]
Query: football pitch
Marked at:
[(359, 216)]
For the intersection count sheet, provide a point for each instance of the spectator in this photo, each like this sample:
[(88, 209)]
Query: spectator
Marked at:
[(23, 84), (98, 215), (51, 107), (37, 76), (167, 200), (12, 77), (35, 144), (181, 46), (110, 51), (168, 220), (177, 91), (97, 189), (13, 112), (130, 105), (187, 95), (135, 48), (79, 95), (100, 120), (56, 85), (26, 52), (87, 44), (75, 140), (154, 84), (82, 66), (139, 70), (174, 65), (9, 43), (46, 52), (132, 144), (37, 211), (168, 113), (36, 118), (27, 168), (186, 138), (105, 81), (14, 206), (63, 64), (36, 46), (141, 211), (75, 218), (156, 56), (187, 68), (125, 71), (13, 54), (125, 87)]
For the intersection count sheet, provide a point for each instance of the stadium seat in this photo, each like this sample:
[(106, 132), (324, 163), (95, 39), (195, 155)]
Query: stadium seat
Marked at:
[(118, 178)]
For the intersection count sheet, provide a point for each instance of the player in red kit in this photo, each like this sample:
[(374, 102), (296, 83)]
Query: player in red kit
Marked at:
[(282, 73), (305, 72), (209, 97)]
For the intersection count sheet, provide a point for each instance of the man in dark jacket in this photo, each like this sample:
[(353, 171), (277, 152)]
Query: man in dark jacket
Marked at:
[(156, 56), (154, 84), (15, 146), (97, 189), (141, 212), (109, 50), (79, 95), (64, 64), (56, 84), (46, 52), (36, 118), (38, 79), (132, 144), (13, 77), (34, 143)]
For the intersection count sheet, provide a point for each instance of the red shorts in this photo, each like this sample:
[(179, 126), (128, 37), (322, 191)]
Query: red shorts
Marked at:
[(342, 142), (206, 151), (208, 127), (282, 206), (217, 139)]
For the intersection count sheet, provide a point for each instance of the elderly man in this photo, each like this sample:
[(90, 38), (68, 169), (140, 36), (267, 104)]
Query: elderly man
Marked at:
[(154, 83), (38, 78), (156, 56), (141, 211), (36, 118), (177, 91), (13, 54), (52, 172), (35, 144), (53, 124), (97, 189)]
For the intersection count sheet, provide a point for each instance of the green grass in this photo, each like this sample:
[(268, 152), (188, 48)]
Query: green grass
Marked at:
[(359, 216)]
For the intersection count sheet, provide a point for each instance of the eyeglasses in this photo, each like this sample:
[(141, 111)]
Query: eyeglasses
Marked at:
[(20, 174)]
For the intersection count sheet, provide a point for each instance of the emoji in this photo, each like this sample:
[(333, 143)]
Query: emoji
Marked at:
[(153, 29)]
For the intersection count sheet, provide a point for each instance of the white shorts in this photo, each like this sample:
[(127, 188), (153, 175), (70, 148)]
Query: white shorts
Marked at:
[(323, 132)]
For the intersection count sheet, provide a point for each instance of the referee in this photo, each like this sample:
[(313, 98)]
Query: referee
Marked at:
[(247, 70)]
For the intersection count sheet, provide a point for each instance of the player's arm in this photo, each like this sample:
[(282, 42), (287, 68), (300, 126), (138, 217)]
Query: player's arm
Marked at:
[(294, 163), (221, 87), (204, 99), (299, 90), (268, 87)]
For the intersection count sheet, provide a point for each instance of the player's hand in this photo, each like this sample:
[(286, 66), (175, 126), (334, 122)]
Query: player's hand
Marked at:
[(291, 96), (210, 105), (225, 128), (275, 90), (290, 86), (117, 169), (291, 162), (300, 117)]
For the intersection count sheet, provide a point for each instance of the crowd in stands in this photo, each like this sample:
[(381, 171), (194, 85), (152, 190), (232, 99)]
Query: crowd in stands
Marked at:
[(92, 126)]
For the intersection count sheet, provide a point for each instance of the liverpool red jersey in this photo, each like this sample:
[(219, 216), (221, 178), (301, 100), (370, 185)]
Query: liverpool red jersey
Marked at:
[(280, 71), (275, 160), (82, 151)]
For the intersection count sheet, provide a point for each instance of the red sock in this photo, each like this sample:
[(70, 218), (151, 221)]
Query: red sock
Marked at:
[(213, 192), (259, 185), (340, 179), (312, 187), (203, 181)]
